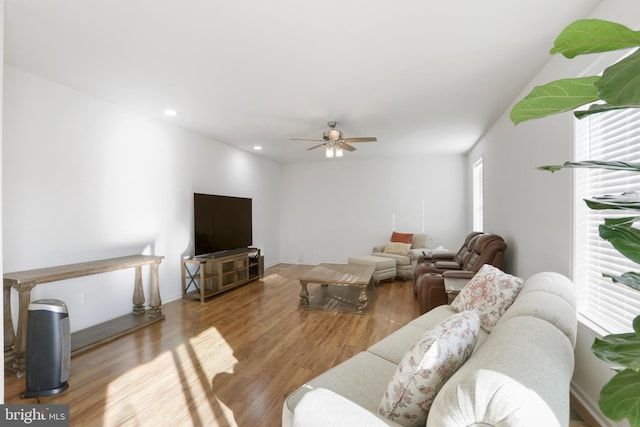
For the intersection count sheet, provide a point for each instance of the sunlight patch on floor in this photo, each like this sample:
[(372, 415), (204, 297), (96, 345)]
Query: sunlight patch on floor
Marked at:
[(186, 376), (273, 278)]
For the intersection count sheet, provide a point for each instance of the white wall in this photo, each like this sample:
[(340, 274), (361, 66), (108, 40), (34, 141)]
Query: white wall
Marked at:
[(533, 209), (336, 208), (1, 79), (84, 179)]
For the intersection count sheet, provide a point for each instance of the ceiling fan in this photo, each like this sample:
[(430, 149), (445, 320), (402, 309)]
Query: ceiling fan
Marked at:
[(334, 143)]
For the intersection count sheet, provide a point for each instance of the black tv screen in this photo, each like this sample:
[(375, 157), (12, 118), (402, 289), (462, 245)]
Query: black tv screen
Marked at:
[(221, 223)]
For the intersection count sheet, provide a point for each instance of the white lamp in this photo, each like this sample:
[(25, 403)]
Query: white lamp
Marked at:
[(339, 152)]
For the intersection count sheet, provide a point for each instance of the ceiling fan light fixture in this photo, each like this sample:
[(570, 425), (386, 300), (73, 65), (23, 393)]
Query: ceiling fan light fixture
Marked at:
[(329, 152), (333, 142), (332, 135)]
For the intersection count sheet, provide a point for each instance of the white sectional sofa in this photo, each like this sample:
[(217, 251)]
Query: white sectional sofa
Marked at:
[(518, 374)]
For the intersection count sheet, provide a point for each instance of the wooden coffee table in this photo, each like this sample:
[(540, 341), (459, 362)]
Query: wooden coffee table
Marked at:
[(332, 277)]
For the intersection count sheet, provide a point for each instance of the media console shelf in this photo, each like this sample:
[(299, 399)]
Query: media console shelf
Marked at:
[(203, 277), (25, 281)]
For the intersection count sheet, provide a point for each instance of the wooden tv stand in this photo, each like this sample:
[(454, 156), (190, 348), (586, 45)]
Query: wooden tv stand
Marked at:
[(203, 277), (25, 281)]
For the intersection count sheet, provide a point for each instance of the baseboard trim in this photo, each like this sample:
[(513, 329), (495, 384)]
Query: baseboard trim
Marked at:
[(587, 409)]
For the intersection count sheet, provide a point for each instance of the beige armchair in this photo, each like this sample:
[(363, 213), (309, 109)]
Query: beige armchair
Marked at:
[(406, 255)]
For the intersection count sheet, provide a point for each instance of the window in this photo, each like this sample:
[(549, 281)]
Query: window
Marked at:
[(478, 197), (609, 136)]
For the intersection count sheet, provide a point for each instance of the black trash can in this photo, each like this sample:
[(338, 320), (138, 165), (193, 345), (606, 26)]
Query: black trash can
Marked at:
[(48, 348)]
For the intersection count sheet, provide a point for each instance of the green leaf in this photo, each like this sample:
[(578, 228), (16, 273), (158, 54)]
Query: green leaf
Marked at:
[(594, 164), (620, 349), (592, 36), (555, 97), (625, 239), (630, 279), (628, 200), (620, 83), (621, 222), (600, 108), (620, 397)]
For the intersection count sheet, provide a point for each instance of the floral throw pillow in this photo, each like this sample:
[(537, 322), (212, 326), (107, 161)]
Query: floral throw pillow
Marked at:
[(427, 366), (490, 292)]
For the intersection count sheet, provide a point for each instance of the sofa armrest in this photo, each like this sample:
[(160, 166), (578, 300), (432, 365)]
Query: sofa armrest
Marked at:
[(378, 249), (509, 381), (458, 274), (446, 265), (322, 407), (419, 252), (443, 255)]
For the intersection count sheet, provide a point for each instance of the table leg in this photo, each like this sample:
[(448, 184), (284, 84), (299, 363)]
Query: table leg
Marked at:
[(154, 299), (9, 335), (304, 294), (20, 347), (362, 298), (138, 293)]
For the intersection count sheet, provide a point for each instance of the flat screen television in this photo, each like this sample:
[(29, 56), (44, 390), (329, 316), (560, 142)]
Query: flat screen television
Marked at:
[(221, 223)]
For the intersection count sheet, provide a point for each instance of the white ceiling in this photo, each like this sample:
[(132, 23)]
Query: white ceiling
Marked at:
[(422, 76)]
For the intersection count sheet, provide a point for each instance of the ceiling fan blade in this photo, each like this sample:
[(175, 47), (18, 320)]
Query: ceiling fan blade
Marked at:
[(362, 139), (346, 146), (305, 139), (315, 146)]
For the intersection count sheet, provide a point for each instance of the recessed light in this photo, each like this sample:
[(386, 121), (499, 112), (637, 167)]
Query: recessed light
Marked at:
[(170, 112), (257, 147)]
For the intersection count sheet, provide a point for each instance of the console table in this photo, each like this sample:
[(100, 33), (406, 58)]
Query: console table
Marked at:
[(25, 281)]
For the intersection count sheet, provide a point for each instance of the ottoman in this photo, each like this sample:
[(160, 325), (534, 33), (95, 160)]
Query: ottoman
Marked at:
[(385, 267)]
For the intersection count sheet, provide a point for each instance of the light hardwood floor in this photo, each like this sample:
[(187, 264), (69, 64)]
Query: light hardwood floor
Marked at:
[(228, 362)]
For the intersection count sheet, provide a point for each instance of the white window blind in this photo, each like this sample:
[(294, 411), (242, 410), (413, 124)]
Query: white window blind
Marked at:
[(478, 196), (607, 136)]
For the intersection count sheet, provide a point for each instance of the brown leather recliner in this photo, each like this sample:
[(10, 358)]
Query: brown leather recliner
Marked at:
[(429, 284), (439, 263)]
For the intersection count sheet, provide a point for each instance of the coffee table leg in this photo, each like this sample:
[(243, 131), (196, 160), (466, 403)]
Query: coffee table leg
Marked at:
[(304, 294), (362, 298)]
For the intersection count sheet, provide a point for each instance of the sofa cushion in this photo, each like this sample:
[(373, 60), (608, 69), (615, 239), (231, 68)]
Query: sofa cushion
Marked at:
[(399, 259), (490, 292), (322, 407), (397, 248), (426, 366), (401, 237), (352, 379), (431, 319), (395, 346)]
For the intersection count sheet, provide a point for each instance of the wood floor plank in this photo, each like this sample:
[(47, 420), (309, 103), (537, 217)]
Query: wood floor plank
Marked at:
[(228, 362)]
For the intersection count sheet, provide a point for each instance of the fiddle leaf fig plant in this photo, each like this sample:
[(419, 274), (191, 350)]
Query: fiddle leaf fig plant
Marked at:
[(617, 88)]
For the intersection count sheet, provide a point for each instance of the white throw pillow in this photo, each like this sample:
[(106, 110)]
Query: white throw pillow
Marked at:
[(490, 292), (397, 248), (427, 366)]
